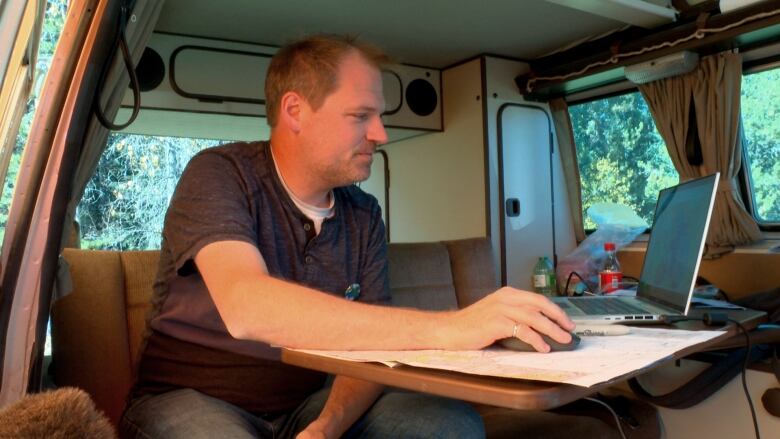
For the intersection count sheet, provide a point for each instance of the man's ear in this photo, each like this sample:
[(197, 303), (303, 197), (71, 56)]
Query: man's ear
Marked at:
[(290, 110)]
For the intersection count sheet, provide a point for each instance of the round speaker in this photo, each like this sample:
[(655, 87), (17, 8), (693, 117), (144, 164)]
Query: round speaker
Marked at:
[(150, 70), (421, 97)]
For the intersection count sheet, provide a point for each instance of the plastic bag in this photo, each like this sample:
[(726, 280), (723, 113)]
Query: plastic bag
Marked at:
[(617, 223)]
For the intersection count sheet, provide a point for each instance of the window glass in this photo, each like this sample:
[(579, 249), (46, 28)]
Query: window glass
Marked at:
[(761, 120), (621, 156), (54, 18), (124, 203)]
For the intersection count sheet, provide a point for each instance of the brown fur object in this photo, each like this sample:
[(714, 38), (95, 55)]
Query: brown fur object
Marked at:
[(63, 413)]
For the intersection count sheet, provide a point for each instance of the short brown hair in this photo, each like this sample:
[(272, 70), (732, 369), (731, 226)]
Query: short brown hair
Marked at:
[(310, 68)]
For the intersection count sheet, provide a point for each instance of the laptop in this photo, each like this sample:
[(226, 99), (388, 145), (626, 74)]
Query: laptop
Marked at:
[(682, 218)]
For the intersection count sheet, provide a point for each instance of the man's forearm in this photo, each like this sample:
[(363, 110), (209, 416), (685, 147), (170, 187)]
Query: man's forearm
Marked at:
[(349, 398), (291, 315), (256, 306)]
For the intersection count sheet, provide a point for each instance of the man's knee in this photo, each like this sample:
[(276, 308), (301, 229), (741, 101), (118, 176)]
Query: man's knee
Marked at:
[(185, 413), (399, 414), (454, 419)]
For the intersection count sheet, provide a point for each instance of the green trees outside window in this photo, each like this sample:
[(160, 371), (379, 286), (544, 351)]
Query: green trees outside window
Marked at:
[(621, 156), (761, 122), (54, 19), (124, 204)]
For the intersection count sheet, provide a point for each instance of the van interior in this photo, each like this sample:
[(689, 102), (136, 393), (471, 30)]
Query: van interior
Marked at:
[(532, 125)]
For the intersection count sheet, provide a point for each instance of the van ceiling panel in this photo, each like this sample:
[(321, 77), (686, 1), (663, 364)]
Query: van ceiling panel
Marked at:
[(224, 78), (435, 33)]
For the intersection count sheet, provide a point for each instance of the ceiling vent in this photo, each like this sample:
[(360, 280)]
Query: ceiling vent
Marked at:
[(664, 67)]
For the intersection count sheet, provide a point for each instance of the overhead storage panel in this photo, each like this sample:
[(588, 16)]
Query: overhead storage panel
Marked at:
[(200, 75)]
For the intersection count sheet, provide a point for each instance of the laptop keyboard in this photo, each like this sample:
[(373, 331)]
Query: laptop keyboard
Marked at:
[(605, 306)]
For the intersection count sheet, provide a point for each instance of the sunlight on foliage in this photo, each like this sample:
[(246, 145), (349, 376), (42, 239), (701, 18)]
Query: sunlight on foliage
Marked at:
[(621, 156), (760, 107), (53, 21), (124, 203)]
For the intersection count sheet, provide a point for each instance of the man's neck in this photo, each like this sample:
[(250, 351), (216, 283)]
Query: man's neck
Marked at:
[(299, 183)]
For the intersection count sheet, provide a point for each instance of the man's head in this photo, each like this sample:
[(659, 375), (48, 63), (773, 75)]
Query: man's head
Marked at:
[(310, 67), (324, 102)]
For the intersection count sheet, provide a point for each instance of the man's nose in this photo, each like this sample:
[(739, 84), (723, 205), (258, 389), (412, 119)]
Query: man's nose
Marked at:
[(376, 132)]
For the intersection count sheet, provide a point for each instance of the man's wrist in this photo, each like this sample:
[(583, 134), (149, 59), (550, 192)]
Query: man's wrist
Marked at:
[(329, 423), (440, 331)]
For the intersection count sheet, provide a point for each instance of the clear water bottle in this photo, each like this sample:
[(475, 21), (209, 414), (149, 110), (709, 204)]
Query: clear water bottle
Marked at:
[(610, 276), (544, 277)]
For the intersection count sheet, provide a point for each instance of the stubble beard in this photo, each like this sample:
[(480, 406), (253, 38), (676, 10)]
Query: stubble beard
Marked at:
[(347, 174)]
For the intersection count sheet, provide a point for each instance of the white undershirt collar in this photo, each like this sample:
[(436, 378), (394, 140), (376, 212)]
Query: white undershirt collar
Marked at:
[(314, 213)]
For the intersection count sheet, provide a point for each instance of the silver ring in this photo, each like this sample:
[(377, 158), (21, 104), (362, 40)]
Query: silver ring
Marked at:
[(514, 330)]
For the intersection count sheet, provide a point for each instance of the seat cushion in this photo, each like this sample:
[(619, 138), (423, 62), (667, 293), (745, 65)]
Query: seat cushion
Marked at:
[(420, 276), (89, 330), (140, 269), (473, 269)]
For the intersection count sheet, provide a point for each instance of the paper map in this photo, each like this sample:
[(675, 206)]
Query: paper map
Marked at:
[(596, 360)]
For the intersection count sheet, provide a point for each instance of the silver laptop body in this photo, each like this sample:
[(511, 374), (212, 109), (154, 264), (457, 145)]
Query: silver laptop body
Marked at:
[(682, 218)]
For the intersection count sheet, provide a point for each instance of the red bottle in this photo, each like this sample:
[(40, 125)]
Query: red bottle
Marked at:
[(610, 276)]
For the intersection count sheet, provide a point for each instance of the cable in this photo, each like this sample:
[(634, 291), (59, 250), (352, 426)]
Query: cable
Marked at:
[(122, 42), (587, 289), (744, 378), (714, 319), (698, 34), (614, 414)]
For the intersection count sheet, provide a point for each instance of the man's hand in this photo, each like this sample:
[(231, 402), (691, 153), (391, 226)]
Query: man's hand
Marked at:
[(349, 398), (315, 430), (505, 313)]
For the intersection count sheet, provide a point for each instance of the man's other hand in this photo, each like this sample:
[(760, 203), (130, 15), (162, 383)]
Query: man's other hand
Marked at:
[(505, 313), (313, 431)]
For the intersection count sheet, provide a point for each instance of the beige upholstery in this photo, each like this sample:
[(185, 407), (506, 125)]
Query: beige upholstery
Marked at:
[(420, 276), (140, 270), (474, 272), (96, 330)]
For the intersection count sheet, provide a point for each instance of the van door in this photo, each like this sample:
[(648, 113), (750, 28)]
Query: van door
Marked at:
[(525, 151)]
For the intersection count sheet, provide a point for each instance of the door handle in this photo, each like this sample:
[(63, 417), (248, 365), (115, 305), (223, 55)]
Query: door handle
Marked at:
[(512, 206)]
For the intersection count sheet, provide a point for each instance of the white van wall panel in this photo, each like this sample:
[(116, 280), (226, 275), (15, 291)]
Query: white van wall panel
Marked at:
[(192, 64), (501, 89), (437, 187), (725, 414)]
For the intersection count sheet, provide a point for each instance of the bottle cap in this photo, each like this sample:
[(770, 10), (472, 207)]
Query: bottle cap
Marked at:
[(609, 246)]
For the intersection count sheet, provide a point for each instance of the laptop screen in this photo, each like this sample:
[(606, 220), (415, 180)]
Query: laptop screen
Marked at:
[(682, 217)]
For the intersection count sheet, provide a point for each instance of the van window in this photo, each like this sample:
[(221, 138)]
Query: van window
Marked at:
[(621, 156), (54, 19), (124, 204), (761, 121)]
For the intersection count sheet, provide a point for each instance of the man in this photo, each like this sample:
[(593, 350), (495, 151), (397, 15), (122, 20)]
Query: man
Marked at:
[(263, 241)]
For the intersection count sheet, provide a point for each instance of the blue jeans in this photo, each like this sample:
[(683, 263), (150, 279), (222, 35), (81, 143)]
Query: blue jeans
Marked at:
[(188, 414)]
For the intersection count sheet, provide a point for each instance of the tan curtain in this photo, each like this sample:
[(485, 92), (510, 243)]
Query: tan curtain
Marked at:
[(571, 171), (713, 92)]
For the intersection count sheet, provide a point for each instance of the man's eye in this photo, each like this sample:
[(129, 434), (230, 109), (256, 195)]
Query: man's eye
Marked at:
[(360, 116)]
